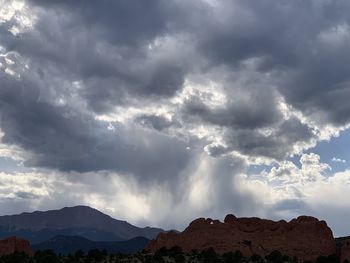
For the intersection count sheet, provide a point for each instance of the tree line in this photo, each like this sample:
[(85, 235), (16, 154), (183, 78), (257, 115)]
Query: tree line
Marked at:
[(163, 255)]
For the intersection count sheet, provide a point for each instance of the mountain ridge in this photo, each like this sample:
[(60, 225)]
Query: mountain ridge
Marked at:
[(82, 221)]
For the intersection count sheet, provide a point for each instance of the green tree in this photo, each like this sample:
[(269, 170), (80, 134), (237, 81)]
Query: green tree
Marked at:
[(79, 253), (17, 257), (177, 254), (162, 252), (232, 257), (256, 258), (328, 259), (208, 256), (96, 254), (275, 257), (46, 256)]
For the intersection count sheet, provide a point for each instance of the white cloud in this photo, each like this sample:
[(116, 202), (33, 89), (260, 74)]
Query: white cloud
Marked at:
[(288, 191), (43, 190), (18, 13), (338, 160)]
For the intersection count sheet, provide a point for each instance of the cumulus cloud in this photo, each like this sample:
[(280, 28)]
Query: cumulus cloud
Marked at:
[(288, 190)]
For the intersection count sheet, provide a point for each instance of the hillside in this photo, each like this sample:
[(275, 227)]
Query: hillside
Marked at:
[(70, 244)]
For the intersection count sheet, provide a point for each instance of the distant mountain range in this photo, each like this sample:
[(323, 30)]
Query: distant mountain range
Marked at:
[(82, 221), (70, 244)]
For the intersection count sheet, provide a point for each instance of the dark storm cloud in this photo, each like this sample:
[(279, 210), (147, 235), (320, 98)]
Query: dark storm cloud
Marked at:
[(125, 22), (257, 112), (304, 58), (26, 195), (302, 44), (61, 137), (277, 144), (106, 46), (156, 122), (103, 48), (96, 56), (254, 29), (250, 119)]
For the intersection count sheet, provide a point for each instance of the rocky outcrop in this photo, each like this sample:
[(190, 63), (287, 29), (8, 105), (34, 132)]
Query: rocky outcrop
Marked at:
[(345, 252), (14, 244), (305, 237)]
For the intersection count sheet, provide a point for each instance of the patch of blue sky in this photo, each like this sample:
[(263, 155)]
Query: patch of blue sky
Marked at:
[(335, 152), (257, 169), (8, 165)]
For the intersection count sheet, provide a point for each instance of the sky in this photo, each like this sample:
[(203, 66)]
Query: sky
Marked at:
[(158, 112)]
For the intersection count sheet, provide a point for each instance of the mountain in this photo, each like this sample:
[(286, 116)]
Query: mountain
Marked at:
[(81, 221), (70, 244)]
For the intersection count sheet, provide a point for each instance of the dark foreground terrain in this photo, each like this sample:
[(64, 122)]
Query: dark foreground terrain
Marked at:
[(163, 255)]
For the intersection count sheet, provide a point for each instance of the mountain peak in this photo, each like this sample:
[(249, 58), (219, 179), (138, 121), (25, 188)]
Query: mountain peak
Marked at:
[(78, 220), (79, 207)]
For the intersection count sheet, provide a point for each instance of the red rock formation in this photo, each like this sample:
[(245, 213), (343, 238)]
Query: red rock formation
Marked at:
[(305, 237), (13, 244), (345, 252)]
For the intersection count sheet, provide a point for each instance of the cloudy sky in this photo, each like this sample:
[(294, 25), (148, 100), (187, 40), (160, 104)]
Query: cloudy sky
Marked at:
[(158, 112)]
